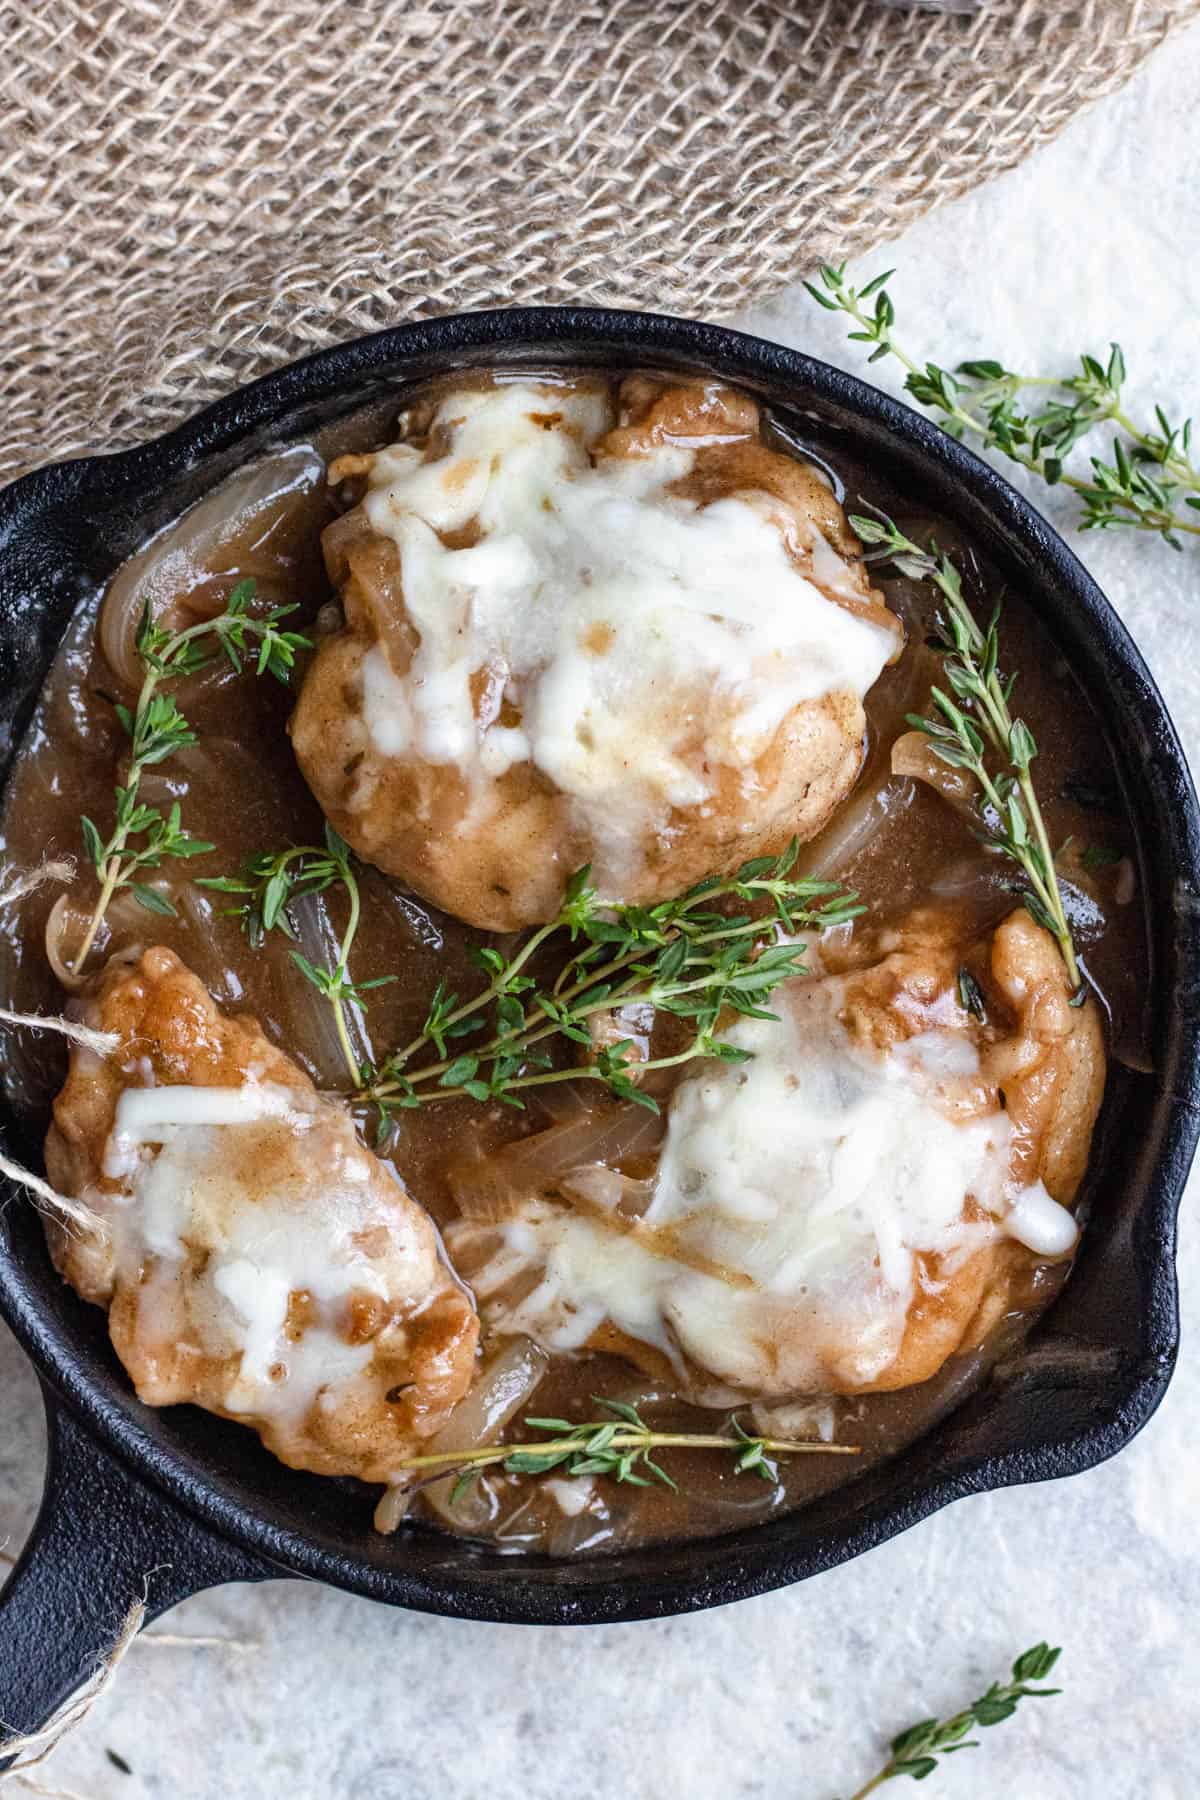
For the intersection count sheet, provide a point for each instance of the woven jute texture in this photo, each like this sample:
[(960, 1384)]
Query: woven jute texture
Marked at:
[(198, 190)]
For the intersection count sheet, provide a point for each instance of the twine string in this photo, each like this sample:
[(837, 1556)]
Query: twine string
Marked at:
[(287, 187)]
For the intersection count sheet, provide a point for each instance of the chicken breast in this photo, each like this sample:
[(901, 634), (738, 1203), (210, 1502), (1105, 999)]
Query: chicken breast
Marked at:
[(634, 638), (257, 1261), (842, 1212)]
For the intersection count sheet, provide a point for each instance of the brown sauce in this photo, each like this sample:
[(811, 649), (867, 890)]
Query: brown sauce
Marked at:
[(240, 787)]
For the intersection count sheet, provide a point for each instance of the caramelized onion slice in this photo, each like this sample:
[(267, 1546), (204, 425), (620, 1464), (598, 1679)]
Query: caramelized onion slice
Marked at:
[(65, 927), (503, 1388), (796, 1419), (188, 551), (913, 755), (309, 1019), (490, 1188), (830, 854), (879, 796), (602, 1189)]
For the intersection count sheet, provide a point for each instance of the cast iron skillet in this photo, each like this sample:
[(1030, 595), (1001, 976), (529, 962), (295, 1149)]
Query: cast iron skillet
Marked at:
[(196, 1499)]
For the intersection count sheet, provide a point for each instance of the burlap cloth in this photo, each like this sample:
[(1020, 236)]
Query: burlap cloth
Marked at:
[(196, 190)]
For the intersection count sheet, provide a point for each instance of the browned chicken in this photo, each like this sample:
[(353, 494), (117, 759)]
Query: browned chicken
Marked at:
[(1040, 1061), (847, 1209), (257, 1260), (638, 641)]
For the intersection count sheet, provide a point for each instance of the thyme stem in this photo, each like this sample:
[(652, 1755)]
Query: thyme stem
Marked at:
[(914, 1752), (979, 716), (499, 984), (109, 868), (342, 973), (576, 1072), (1151, 484), (619, 1446), (157, 729), (680, 957), (111, 872), (263, 891), (622, 1440)]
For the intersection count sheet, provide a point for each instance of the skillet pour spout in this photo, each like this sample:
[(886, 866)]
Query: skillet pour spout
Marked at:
[(164, 1503)]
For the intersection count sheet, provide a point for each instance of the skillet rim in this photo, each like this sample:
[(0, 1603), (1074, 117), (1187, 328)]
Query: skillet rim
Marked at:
[(749, 1561)]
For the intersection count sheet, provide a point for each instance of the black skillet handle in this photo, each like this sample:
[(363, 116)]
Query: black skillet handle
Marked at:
[(101, 1541)]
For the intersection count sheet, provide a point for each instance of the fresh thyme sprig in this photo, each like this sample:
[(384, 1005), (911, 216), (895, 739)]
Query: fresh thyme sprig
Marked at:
[(915, 1751), (977, 721), (269, 884), (617, 1447), (1152, 482), (681, 957), (142, 838), (684, 957)]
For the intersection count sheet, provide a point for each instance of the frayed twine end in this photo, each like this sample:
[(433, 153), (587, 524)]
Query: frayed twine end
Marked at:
[(47, 1199), (103, 1043), (29, 1749), (16, 883)]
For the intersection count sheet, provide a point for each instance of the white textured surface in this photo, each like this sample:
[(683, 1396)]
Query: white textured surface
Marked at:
[(790, 1697)]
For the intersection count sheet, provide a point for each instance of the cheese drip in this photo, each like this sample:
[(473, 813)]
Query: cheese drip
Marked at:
[(261, 1193), (623, 640), (794, 1197)]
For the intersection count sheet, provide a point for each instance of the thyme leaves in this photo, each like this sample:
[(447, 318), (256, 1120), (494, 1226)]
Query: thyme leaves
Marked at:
[(970, 995), (915, 1752), (723, 946), (616, 1446), (1150, 484), (264, 890), (142, 837), (685, 957), (973, 727)]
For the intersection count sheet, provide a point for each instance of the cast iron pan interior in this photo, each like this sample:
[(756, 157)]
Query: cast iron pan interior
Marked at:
[(131, 1489)]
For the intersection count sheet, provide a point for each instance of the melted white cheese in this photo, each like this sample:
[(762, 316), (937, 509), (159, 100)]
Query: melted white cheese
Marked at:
[(235, 1199), (643, 639), (794, 1196), (1036, 1220), (141, 1111)]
